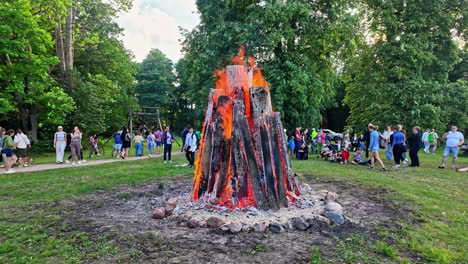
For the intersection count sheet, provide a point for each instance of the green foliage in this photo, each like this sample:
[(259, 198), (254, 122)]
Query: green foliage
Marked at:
[(296, 42), (401, 74), (25, 61)]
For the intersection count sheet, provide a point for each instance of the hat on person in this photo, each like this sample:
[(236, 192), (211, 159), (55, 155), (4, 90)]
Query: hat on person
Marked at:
[(313, 129), (60, 127)]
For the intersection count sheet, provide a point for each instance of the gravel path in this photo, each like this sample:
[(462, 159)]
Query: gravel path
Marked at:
[(53, 166)]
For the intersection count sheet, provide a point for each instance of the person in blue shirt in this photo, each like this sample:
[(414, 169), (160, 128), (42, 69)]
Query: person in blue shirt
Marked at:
[(374, 146), (398, 145), (292, 145), (118, 143)]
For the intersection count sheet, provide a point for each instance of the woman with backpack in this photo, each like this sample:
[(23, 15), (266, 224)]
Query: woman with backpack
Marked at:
[(190, 147)]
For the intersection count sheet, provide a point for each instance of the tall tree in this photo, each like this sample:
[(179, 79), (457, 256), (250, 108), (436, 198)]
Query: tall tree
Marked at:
[(401, 74), (155, 86), (297, 42), (25, 62)]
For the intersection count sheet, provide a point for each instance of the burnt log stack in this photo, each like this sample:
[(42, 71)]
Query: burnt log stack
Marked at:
[(243, 158)]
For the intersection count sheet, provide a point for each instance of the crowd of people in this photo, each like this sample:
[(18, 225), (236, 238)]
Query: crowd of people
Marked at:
[(14, 145), (398, 145), (346, 148)]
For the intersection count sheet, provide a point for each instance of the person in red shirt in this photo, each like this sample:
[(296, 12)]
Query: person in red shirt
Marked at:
[(297, 139), (344, 156)]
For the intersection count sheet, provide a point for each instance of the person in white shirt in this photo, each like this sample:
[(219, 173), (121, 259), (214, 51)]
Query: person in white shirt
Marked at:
[(60, 142), (425, 140), (22, 143), (190, 147), (454, 140), (388, 147)]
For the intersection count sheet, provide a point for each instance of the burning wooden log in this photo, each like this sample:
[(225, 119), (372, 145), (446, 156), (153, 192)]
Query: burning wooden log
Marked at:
[(243, 159)]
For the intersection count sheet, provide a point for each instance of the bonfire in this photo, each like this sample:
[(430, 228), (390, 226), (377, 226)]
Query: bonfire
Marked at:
[(243, 159)]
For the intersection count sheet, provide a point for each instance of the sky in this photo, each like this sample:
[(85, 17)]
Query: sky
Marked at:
[(155, 24)]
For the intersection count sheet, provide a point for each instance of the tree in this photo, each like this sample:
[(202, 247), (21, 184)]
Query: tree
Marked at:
[(155, 86), (297, 42), (24, 70), (401, 75)]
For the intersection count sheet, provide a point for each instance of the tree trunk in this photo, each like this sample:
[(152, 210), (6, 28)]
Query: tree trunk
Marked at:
[(59, 49), (69, 39), (33, 122)]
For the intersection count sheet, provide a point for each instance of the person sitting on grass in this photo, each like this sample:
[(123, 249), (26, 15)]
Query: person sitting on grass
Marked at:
[(344, 155), (326, 153), (303, 152), (357, 157)]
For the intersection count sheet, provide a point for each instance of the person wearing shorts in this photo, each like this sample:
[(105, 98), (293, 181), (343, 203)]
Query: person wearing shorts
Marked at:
[(158, 135), (7, 151), (22, 143), (454, 140), (374, 145), (118, 143)]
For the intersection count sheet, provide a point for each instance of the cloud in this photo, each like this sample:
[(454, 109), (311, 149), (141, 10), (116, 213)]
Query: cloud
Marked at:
[(155, 24)]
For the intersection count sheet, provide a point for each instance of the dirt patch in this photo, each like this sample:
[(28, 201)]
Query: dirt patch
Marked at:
[(123, 216)]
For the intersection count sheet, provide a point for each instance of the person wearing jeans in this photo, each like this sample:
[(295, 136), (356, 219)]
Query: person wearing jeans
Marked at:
[(60, 141), (425, 140), (454, 140), (190, 147), (168, 137), (388, 148), (138, 145), (151, 143)]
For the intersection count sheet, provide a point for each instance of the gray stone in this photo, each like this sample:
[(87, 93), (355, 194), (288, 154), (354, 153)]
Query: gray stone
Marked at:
[(235, 227), (214, 222), (193, 223), (159, 213), (335, 218), (323, 219), (171, 203), (245, 228), (333, 207), (300, 223), (331, 196), (275, 228), (259, 227)]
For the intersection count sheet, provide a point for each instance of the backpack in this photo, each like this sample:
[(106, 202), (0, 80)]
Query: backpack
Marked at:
[(431, 137)]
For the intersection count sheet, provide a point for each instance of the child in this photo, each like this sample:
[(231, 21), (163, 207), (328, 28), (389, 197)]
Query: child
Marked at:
[(362, 142), (314, 146), (93, 142), (357, 157), (303, 152), (326, 153), (292, 145), (344, 156), (151, 143)]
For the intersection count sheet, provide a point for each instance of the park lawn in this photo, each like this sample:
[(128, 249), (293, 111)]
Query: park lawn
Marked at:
[(439, 227), (31, 231)]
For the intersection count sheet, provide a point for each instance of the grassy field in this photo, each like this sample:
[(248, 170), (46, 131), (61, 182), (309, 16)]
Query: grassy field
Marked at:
[(32, 231)]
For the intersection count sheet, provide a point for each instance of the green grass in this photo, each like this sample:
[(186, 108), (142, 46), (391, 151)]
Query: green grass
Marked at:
[(438, 197), (32, 231)]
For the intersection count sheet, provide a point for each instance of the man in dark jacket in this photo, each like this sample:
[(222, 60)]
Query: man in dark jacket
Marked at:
[(367, 141), (414, 142), (183, 135)]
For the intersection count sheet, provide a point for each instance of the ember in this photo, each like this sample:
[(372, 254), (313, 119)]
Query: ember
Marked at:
[(243, 160)]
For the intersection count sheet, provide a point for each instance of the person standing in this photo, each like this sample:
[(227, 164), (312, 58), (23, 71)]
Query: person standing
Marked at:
[(398, 145), (414, 142), (168, 137), (60, 142), (158, 139), (388, 147), (7, 151), (366, 139), (138, 145), (126, 142), (75, 145), (118, 143), (93, 146), (454, 140), (22, 144), (321, 140), (313, 134), (183, 135), (425, 140), (433, 137), (190, 147), (374, 146), (297, 139), (151, 143), (347, 138), (2, 136)]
